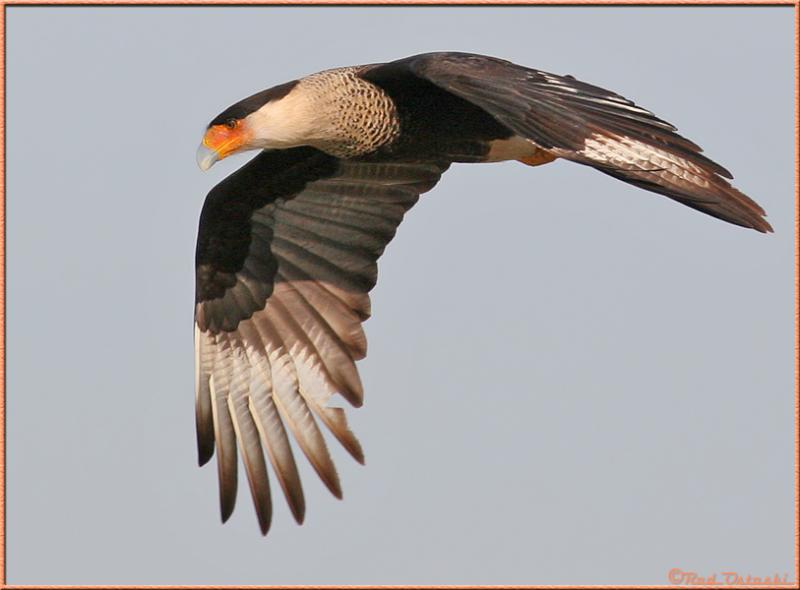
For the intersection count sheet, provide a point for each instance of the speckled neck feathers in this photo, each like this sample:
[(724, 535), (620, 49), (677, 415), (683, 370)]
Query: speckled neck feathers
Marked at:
[(353, 117)]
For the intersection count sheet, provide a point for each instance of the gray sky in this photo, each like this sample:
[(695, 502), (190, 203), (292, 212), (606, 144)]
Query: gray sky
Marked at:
[(569, 380)]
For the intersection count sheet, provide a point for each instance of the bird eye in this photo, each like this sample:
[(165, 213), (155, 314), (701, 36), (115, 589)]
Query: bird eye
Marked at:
[(231, 123)]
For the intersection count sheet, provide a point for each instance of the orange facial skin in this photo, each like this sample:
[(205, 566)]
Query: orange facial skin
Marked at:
[(225, 139)]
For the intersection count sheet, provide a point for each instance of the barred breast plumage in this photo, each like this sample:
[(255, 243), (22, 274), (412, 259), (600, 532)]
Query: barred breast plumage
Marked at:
[(359, 116)]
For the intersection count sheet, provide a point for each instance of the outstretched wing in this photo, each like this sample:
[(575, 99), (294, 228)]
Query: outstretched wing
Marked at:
[(286, 254), (588, 125)]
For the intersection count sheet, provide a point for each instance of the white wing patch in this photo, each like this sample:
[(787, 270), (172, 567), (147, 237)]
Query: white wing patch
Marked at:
[(636, 156), (283, 339), (280, 368)]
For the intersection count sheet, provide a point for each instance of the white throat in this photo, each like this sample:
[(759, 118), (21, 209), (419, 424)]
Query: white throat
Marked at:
[(284, 123)]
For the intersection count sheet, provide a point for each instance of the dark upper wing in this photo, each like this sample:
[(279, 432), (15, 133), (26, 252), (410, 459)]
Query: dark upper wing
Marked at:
[(286, 254), (589, 125)]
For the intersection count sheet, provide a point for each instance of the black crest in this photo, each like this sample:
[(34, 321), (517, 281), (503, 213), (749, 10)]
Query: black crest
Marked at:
[(252, 103)]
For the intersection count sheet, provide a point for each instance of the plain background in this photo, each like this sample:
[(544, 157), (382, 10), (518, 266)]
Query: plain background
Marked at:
[(569, 380)]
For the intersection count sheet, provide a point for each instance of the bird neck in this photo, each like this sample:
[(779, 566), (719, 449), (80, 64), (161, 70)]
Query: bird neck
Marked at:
[(337, 112)]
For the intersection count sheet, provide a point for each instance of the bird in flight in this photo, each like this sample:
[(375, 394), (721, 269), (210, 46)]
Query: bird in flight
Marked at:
[(288, 244)]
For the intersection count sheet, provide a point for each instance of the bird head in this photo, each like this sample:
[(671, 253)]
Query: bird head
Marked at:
[(221, 140), (266, 120)]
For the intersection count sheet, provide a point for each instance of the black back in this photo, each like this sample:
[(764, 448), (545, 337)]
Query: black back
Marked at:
[(434, 123)]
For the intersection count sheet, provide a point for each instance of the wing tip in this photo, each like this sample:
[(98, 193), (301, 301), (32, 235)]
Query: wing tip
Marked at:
[(226, 506), (293, 492), (204, 452), (264, 522), (331, 481), (227, 495), (299, 512), (763, 226), (350, 443), (357, 453)]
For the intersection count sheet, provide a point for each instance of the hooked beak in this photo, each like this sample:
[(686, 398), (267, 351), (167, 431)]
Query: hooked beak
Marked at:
[(219, 142), (206, 157)]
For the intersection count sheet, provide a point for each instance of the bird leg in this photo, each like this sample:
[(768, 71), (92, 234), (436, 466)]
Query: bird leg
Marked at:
[(538, 158)]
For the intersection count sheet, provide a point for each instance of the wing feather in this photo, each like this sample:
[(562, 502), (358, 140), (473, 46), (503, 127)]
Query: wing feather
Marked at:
[(329, 310), (219, 384), (247, 434), (569, 118), (358, 302), (356, 260), (269, 424), (312, 370), (204, 364), (285, 265), (314, 335), (324, 227)]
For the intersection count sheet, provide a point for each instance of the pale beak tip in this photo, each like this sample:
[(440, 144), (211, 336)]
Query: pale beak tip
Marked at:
[(206, 157)]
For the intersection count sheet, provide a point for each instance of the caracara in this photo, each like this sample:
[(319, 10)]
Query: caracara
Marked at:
[(288, 244)]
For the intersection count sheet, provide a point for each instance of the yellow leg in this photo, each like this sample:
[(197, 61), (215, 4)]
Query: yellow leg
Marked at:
[(538, 158)]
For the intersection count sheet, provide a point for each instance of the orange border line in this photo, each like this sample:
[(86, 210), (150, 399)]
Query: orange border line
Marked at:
[(797, 292), (246, 3), (3, 300), (394, 587), (4, 3), (397, 587)]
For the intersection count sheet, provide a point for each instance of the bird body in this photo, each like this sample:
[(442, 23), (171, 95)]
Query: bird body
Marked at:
[(288, 244)]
